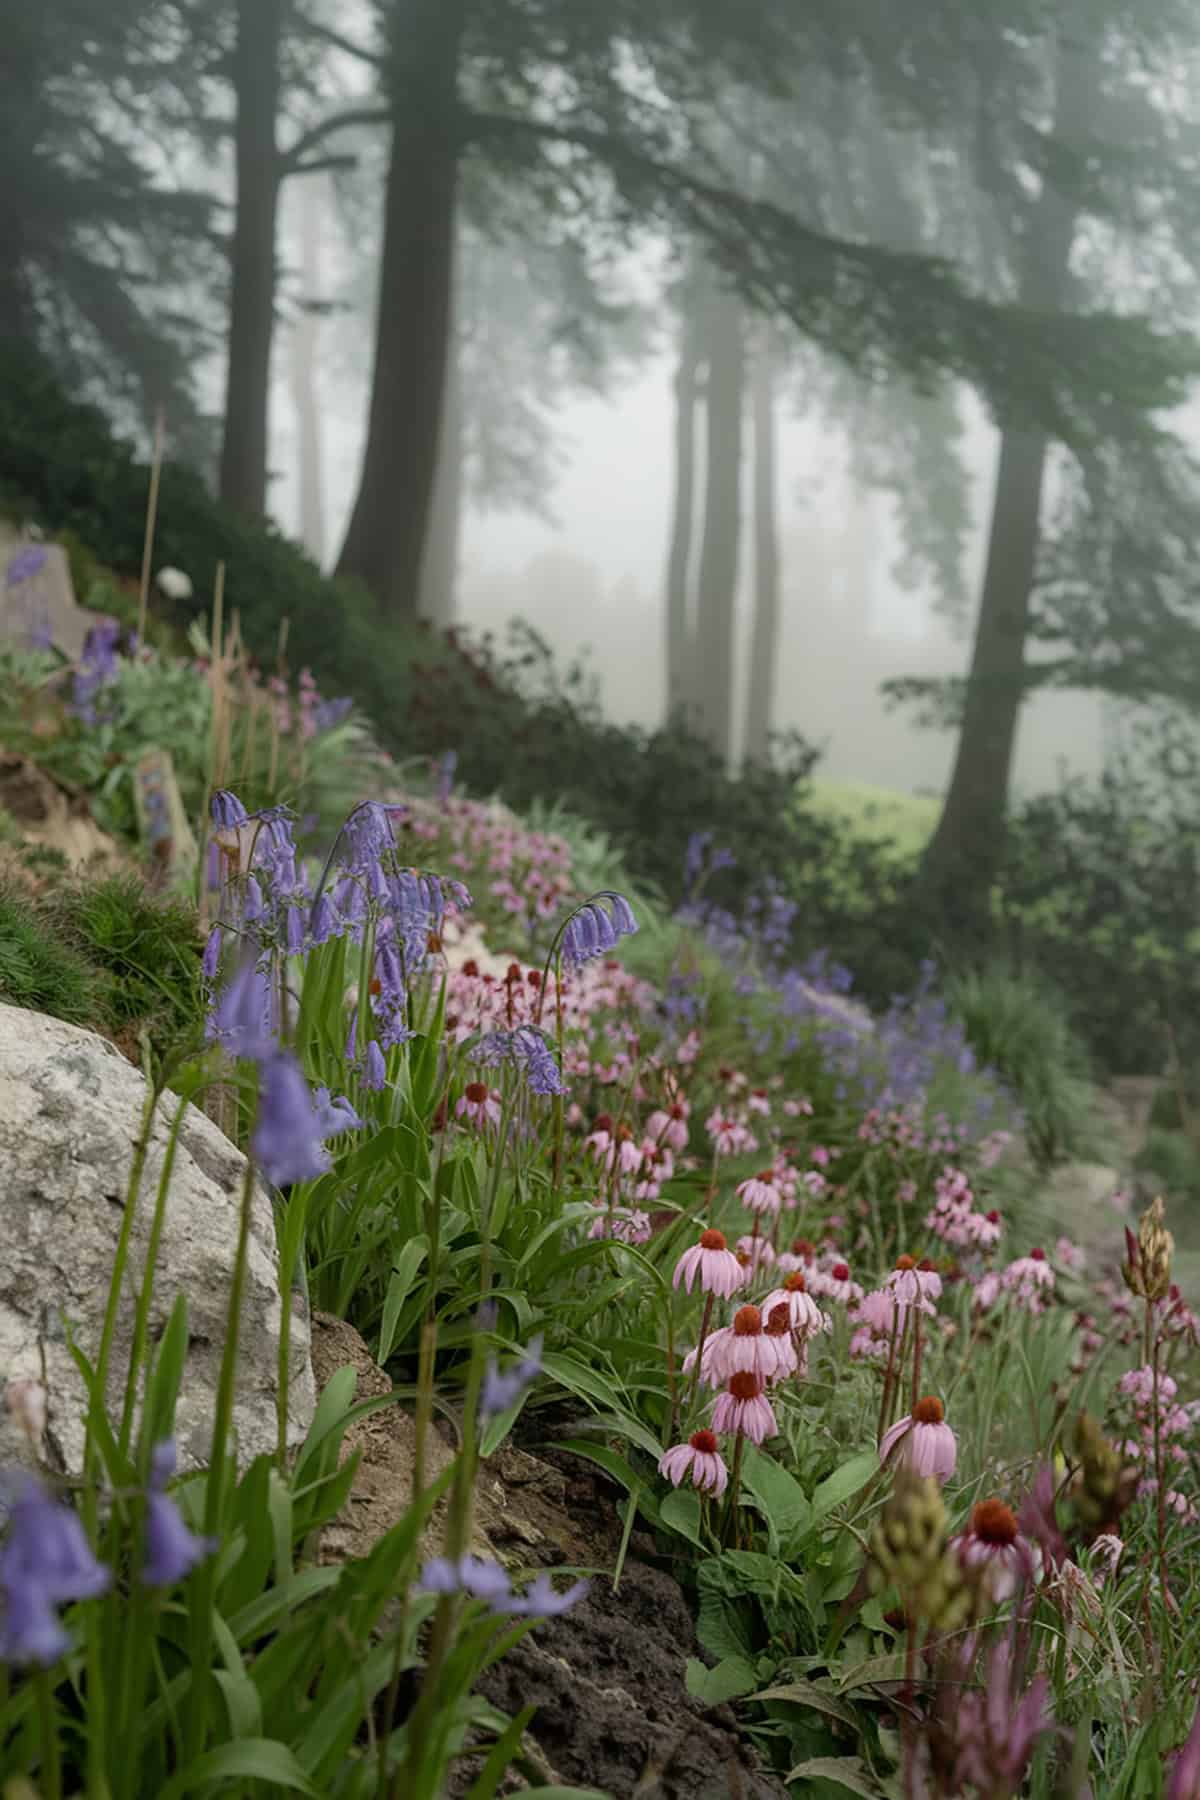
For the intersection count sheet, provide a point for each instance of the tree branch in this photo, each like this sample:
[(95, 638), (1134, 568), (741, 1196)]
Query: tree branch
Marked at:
[(335, 160), (346, 45), (292, 159)]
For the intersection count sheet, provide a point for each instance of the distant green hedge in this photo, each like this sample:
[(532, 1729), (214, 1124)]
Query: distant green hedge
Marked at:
[(61, 464)]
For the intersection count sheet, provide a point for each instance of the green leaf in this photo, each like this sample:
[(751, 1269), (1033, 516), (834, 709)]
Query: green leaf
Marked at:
[(623, 1425), (328, 1420), (807, 1693), (844, 1482), (889, 1667), (399, 1285), (608, 1460), (580, 1378), (681, 1511), (731, 1678), (782, 1499), (850, 1772), (250, 1759), (162, 1390), (499, 1757)]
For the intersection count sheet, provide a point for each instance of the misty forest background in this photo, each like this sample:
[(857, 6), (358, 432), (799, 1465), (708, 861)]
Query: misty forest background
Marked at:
[(827, 370)]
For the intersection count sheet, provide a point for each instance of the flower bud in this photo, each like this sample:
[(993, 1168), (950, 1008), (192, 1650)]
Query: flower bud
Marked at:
[(1147, 1268), (25, 1399)]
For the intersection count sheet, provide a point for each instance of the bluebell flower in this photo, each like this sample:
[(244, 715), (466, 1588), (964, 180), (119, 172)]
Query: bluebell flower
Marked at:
[(530, 1050), (503, 1389), (30, 1629), (227, 810), (469, 1575), (253, 904), (330, 713), (541, 1601), (366, 834), (324, 922), (210, 962), (287, 1142), (172, 1550), (595, 928), (241, 1018), (46, 1561), (293, 932), (374, 1073), (25, 564), (447, 764), (334, 1116)]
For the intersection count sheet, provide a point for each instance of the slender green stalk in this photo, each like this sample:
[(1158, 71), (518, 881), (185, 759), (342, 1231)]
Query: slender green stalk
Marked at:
[(141, 1321), (51, 1770)]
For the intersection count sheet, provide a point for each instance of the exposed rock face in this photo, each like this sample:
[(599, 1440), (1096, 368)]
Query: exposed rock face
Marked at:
[(70, 1114)]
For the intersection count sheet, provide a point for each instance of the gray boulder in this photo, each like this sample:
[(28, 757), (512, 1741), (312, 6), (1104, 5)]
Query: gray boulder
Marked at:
[(70, 1113)]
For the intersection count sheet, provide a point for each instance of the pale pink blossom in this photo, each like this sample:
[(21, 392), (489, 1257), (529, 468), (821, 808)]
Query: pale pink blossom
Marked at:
[(744, 1408), (835, 1284), (713, 1264), (923, 1443), (1030, 1279), (913, 1286), (738, 1347), (478, 1105), (759, 1193), (804, 1314), (755, 1252), (700, 1458), (994, 1541), (729, 1137)]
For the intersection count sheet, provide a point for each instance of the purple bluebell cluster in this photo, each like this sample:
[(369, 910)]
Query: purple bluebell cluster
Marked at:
[(596, 928), (478, 1579), (530, 1051), (45, 1563), (172, 1550), (25, 565), (329, 713), (97, 669), (503, 1388)]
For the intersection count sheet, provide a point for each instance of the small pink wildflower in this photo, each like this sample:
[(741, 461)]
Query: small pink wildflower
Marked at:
[(923, 1442), (714, 1264), (700, 1458), (744, 1408), (993, 1540), (759, 1193), (478, 1105)]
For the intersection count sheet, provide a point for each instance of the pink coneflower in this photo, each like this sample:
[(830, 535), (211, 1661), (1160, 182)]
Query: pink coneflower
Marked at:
[(1029, 1279), (993, 1540), (795, 1107), (669, 1125), (913, 1285), (778, 1333), (744, 1408), (729, 1137), (804, 1315), (835, 1284), (625, 1223), (758, 1101), (754, 1253), (738, 1347), (701, 1459), (714, 1264), (759, 1193), (478, 1105), (923, 1442)]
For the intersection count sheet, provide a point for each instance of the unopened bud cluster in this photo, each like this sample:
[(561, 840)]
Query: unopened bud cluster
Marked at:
[(1147, 1268), (1102, 1485), (909, 1551)]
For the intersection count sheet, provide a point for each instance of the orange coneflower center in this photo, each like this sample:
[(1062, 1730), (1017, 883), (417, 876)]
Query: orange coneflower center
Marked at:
[(801, 1247), (795, 1282), (747, 1321), (713, 1240), (779, 1319), (767, 1175), (928, 1411), (744, 1385), (906, 1262), (840, 1271), (476, 1092), (994, 1522), (704, 1441)]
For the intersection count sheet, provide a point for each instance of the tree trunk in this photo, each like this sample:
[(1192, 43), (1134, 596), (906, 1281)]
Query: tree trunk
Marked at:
[(385, 540), (764, 640), (717, 581), (679, 623), (964, 855), (303, 369), (243, 478), (439, 564)]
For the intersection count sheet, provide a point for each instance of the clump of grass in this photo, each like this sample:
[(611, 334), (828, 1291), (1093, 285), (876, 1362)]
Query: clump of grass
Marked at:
[(144, 946), (1019, 1026), (37, 969)]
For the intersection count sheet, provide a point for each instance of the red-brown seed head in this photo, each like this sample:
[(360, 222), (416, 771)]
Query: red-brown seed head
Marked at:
[(767, 1175), (927, 1266), (993, 1218), (745, 1385), (602, 1122), (476, 1092), (801, 1247), (1038, 1255), (906, 1262), (747, 1321), (713, 1240), (840, 1271), (795, 1282), (994, 1522), (704, 1441), (779, 1319), (928, 1411)]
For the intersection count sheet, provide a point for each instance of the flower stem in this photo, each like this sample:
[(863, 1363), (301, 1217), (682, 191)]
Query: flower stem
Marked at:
[(735, 1486), (51, 1770), (704, 1324)]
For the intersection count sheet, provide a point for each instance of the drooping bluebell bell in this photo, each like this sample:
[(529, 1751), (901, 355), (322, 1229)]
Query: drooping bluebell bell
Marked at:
[(288, 1142), (334, 1115), (227, 810), (242, 1018), (323, 922), (374, 1074), (25, 564), (530, 1050), (503, 1388), (330, 713), (471, 1575), (541, 1600), (172, 1550), (595, 928), (253, 904), (210, 962), (45, 1562)]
